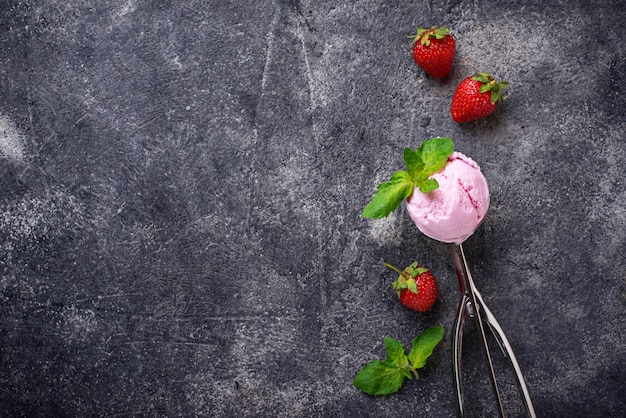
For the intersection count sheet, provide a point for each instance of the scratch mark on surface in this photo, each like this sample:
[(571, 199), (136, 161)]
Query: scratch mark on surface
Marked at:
[(146, 123), (309, 73), (81, 118), (270, 47), (119, 295)]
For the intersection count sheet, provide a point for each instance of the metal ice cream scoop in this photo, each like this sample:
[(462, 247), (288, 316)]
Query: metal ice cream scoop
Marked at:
[(472, 305)]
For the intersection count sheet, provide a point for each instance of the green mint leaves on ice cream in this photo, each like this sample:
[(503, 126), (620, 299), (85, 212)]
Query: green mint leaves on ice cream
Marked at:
[(421, 163)]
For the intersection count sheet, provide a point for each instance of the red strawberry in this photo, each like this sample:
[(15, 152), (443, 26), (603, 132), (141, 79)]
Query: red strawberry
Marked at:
[(476, 97), (434, 50), (416, 287)]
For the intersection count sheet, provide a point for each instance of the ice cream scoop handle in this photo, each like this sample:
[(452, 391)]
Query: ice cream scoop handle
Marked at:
[(473, 305), (457, 349), (472, 308), (508, 351)]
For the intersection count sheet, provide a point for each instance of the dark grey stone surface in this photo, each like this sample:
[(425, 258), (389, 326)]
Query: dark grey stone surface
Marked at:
[(180, 193)]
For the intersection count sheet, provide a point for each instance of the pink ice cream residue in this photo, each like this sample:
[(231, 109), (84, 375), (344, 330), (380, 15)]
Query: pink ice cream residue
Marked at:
[(452, 212)]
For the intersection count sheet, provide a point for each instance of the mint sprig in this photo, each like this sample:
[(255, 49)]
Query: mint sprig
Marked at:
[(384, 377), (421, 163)]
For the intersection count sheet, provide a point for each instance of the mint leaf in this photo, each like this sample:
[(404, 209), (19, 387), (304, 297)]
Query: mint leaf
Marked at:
[(414, 163), (389, 195), (428, 185), (383, 377), (395, 353), (434, 153), (379, 378), (430, 157), (423, 346)]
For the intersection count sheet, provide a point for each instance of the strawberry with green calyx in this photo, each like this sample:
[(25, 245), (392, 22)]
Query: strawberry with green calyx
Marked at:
[(425, 161), (416, 287), (476, 97), (384, 377), (433, 50)]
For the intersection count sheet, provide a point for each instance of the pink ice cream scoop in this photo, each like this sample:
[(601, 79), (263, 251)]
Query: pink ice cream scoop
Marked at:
[(453, 211)]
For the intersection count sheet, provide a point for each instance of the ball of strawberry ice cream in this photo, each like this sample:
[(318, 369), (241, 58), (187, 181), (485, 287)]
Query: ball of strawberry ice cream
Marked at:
[(452, 212)]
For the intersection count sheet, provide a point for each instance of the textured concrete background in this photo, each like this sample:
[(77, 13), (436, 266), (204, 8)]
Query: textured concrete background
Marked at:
[(180, 193)]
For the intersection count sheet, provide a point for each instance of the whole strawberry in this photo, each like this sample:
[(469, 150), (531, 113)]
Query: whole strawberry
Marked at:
[(476, 97), (416, 287), (433, 50)]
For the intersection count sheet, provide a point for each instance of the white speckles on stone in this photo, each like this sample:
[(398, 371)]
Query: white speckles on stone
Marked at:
[(34, 217), (386, 230), (11, 141), (78, 324), (127, 8)]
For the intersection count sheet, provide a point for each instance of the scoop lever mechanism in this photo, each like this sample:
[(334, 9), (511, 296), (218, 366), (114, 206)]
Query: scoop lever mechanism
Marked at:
[(472, 305)]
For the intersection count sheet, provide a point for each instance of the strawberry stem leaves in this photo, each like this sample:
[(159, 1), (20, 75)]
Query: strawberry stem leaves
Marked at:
[(384, 377), (406, 278), (426, 160), (425, 35), (394, 268), (490, 84)]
